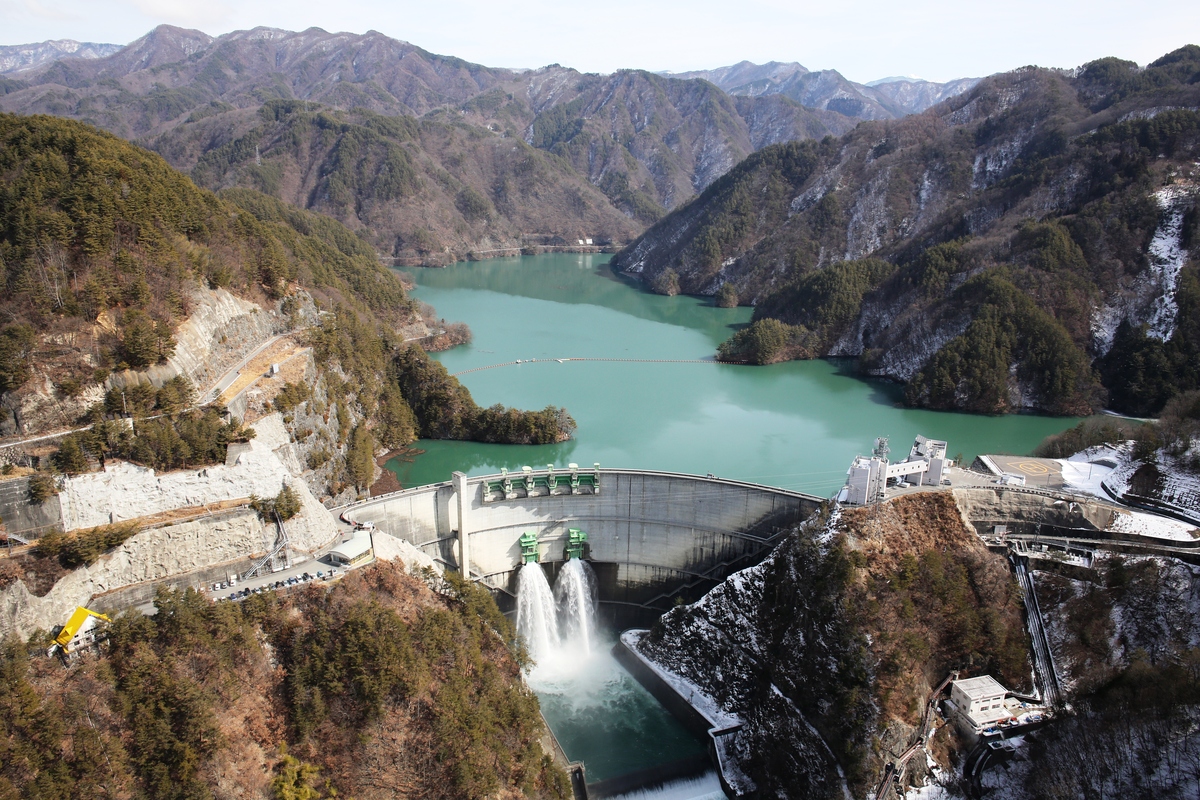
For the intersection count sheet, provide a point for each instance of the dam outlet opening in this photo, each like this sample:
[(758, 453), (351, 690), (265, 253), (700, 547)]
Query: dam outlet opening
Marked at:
[(574, 559)]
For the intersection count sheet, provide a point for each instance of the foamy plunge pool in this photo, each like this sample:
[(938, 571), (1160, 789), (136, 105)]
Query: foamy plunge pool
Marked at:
[(598, 712), (603, 717)]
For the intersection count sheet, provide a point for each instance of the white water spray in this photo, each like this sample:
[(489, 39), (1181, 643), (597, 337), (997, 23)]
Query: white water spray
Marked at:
[(703, 787), (537, 616), (575, 593), (596, 709)]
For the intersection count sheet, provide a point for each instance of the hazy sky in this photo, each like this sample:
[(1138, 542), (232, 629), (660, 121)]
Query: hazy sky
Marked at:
[(864, 39)]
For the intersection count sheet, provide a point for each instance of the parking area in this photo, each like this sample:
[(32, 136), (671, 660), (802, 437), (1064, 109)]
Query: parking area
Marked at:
[(319, 570)]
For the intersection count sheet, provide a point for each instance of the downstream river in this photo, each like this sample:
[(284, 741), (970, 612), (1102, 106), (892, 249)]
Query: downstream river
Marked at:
[(795, 425)]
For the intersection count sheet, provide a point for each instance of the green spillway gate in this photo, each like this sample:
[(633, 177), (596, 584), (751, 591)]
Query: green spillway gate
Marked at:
[(529, 548), (575, 543)]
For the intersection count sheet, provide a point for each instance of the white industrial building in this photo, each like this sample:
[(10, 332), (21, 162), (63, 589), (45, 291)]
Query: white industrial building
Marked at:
[(868, 477), (979, 702), (355, 550)]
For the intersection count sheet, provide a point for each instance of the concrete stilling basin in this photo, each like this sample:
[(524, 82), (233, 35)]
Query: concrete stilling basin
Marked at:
[(652, 536)]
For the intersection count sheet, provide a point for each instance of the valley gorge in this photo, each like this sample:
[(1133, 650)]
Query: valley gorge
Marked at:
[(324, 357)]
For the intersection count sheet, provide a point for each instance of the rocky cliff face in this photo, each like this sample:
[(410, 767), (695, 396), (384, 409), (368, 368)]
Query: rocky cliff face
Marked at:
[(148, 556), (820, 652), (771, 648)]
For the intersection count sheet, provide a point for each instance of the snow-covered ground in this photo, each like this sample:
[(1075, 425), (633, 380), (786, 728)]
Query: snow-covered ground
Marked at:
[(1167, 257), (1089, 471), (932, 792), (1084, 472), (1143, 524), (1151, 298), (1175, 483)]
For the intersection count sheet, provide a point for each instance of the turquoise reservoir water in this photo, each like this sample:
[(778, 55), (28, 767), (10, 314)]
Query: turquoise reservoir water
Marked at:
[(795, 425)]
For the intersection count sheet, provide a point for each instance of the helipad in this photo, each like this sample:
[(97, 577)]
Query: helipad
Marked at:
[(1045, 473)]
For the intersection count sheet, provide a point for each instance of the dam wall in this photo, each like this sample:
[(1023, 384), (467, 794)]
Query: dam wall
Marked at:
[(651, 535)]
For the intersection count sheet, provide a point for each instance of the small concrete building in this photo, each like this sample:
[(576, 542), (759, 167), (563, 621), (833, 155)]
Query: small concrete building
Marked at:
[(926, 463), (355, 550), (979, 701)]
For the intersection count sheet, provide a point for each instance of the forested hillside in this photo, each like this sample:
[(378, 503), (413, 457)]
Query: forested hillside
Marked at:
[(1039, 236), (105, 249), (422, 191), (375, 688)]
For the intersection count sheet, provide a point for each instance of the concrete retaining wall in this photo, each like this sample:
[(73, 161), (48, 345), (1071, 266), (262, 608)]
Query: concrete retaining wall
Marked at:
[(125, 491), (649, 533), (1003, 506), (680, 707)]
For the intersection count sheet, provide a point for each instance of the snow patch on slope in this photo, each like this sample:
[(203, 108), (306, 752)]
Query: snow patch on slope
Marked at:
[(1152, 297), (1167, 257), (870, 217)]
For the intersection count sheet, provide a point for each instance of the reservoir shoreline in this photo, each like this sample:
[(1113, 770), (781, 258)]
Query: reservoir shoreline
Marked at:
[(621, 360)]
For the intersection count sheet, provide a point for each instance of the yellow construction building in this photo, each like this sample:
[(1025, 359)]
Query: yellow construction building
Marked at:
[(79, 632)]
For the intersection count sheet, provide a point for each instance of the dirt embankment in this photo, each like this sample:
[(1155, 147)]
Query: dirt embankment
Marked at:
[(911, 524)]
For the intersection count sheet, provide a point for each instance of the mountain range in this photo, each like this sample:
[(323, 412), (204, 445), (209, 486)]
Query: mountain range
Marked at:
[(1031, 243), (431, 158), (887, 98), (20, 57), (902, 223)]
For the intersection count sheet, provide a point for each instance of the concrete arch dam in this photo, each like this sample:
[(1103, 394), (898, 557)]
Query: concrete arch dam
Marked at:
[(652, 536)]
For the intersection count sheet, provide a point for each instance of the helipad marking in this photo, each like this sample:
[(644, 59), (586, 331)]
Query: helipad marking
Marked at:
[(1032, 467)]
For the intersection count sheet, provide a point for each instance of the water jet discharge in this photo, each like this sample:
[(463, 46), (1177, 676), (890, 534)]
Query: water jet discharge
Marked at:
[(576, 560)]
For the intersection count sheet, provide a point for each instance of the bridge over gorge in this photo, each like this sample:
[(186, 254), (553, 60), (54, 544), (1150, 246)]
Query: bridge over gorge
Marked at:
[(651, 536)]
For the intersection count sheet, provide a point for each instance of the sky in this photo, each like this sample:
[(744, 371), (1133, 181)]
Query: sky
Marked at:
[(863, 39)]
